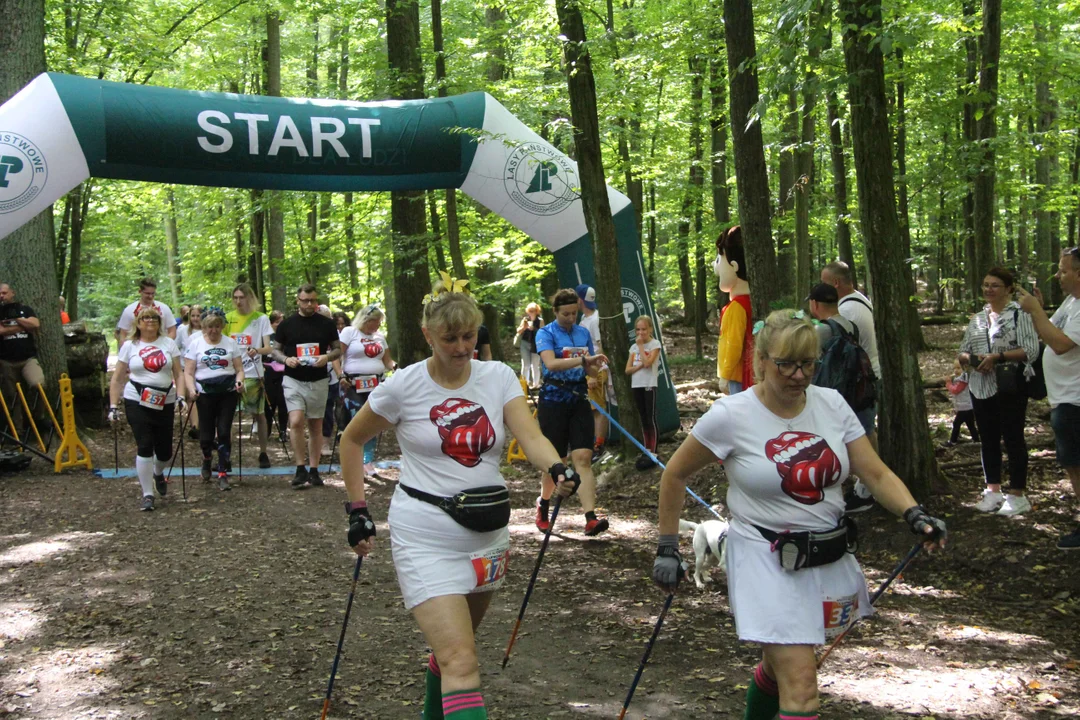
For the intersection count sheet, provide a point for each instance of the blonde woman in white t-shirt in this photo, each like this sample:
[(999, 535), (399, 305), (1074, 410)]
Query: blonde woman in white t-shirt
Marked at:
[(448, 412), (787, 446), (642, 366), (149, 379), (364, 366)]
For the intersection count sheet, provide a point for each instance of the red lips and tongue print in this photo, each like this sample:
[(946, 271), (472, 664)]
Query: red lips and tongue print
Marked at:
[(806, 463), (465, 430), (372, 349), (152, 358)]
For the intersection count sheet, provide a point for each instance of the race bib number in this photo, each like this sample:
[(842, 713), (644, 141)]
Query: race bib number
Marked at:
[(244, 341), (365, 383), (839, 613), (153, 399), (308, 353), (574, 352), (490, 567)]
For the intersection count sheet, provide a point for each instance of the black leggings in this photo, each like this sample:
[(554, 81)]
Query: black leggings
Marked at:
[(1003, 417), (152, 429), (275, 400), (646, 406), (215, 416), (964, 417)]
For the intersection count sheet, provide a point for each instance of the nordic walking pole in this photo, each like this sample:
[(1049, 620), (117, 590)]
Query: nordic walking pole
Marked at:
[(341, 639), (240, 435), (874, 598), (645, 657), (115, 448), (532, 580), (183, 428)]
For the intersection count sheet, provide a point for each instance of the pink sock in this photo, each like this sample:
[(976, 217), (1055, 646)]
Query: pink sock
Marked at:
[(469, 703), (797, 716), (433, 666), (765, 683)]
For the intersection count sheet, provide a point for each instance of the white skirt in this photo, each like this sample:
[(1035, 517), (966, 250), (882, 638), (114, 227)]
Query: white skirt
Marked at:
[(434, 556), (790, 607)]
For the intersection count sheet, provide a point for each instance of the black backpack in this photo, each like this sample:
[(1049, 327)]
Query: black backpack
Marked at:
[(845, 367)]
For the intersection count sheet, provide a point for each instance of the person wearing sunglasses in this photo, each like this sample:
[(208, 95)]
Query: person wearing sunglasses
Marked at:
[(786, 445)]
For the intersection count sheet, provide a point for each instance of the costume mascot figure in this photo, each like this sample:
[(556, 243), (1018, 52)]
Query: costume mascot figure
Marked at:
[(735, 351)]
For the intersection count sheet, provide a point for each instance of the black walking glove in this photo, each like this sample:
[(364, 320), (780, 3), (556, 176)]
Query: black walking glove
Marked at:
[(668, 568), (114, 414), (361, 526), (568, 475), (919, 521)]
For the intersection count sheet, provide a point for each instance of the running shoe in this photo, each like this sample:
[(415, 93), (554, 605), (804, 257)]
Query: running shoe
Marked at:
[(205, 472), (991, 501), (147, 503), (595, 527), (193, 433), (223, 482), (313, 478), (597, 453), (161, 485), (644, 462), (542, 522), (1070, 541), (300, 478), (1014, 505), (264, 460), (855, 503)]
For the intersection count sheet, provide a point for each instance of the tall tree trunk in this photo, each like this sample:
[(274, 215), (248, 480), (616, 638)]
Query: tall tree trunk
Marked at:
[(904, 434), (172, 248), (1046, 263), (436, 231), (1074, 176), (256, 243), (594, 200), (839, 169), (275, 218), (347, 198), (905, 221), (751, 177), (407, 218), (721, 195), (804, 158), (629, 129), (697, 190), (785, 203), (26, 255), (974, 274), (79, 214), (453, 231), (986, 131)]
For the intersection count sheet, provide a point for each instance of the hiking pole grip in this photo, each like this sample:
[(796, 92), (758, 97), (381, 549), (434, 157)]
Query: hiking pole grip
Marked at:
[(873, 598), (645, 657), (341, 638), (532, 580)]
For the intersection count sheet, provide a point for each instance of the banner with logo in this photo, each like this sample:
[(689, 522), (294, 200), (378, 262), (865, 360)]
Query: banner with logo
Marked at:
[(62, 129)]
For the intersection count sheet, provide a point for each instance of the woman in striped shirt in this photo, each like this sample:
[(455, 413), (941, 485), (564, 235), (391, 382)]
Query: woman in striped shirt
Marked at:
[(1000, 337)]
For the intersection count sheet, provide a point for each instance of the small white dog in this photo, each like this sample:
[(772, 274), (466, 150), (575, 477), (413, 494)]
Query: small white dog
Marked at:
[(710, 546)]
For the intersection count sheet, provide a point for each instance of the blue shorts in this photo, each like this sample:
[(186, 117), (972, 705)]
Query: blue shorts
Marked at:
[(1065, 419)]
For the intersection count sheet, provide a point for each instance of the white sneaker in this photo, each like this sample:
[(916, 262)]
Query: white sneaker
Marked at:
[(1014, 505), (990, 502), (369, 469)]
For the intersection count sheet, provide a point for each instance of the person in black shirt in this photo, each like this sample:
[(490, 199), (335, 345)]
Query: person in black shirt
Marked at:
[(482, 351), (18, 352), (306, 343)]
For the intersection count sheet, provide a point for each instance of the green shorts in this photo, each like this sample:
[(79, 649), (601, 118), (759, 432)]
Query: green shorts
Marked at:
[(252, 396)]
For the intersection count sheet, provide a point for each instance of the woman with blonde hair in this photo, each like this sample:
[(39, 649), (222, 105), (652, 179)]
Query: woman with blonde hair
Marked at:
[(149, 379), (786, 445), (364, 367), (449, 412)]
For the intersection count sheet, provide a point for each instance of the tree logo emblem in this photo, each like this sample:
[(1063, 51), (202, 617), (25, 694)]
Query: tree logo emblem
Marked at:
[(539, 179), (23, 171)]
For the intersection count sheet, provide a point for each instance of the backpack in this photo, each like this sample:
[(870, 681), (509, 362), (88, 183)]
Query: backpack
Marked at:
[(845, 367)]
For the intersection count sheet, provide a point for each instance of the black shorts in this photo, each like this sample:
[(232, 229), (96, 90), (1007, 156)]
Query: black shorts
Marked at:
[(569, 426)]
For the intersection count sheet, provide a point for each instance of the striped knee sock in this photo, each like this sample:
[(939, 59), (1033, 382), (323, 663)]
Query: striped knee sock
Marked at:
[(785, 715), (762, 696), (464, 705), (433, 690)]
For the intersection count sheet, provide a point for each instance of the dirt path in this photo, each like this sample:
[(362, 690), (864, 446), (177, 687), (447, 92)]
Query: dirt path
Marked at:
[(230, 606)]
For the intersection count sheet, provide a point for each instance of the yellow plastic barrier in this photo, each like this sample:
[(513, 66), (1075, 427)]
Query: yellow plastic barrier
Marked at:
[(71, 446), (10, 422), (52, 415), (30, 417)]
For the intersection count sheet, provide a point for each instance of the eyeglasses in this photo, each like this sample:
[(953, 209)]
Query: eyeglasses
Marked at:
[(307, 301), (787, 368), (151, 319)]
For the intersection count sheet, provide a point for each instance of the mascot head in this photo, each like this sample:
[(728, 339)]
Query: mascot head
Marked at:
[(730, 264)]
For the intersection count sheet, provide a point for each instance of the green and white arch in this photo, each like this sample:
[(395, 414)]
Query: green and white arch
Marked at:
[(61, 129)]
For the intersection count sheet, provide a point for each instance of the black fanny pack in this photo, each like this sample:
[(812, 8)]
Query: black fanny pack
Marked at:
[(798, 550), (218, 385), (139, 387), (482, 509)]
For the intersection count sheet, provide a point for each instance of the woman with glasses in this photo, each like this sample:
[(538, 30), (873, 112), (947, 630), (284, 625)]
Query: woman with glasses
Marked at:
[(215, 375), (787, 446), (998, 345), (367, 359), (149, 378)]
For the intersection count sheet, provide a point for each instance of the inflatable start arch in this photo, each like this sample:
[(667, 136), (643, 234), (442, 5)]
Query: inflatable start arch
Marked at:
[(60, 130)]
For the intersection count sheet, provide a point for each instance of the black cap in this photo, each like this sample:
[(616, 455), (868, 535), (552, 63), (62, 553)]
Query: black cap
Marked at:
[(824, 293)]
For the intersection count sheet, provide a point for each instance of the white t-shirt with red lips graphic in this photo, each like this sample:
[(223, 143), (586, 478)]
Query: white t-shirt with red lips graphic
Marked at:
[(782, 474), (149, 363), (450, 439)]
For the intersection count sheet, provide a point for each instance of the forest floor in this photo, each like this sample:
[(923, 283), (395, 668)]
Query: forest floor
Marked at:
[(230, 605)]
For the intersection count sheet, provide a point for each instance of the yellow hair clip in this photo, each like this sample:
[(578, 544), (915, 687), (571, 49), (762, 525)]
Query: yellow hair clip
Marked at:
[(448, 285)]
